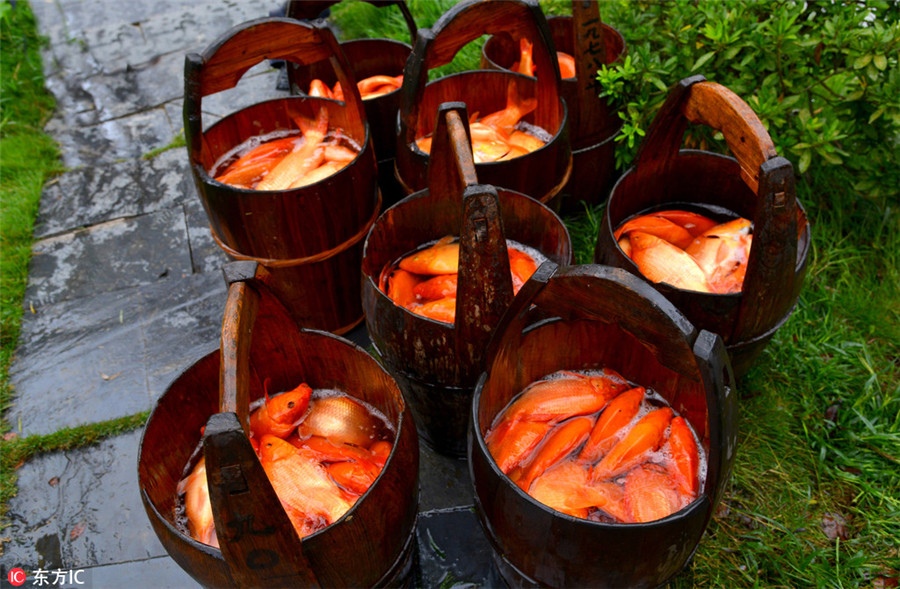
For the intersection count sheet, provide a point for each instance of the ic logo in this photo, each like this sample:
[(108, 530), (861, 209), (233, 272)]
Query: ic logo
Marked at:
[(16, 577)]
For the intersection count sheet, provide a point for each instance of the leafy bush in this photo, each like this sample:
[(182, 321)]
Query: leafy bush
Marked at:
[(822, 76)]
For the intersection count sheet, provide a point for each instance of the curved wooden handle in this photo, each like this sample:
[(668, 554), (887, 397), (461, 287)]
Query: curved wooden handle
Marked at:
[(602, 293), (451, 167), (466, 22), (237, 330), (226, 60), (716, 106)]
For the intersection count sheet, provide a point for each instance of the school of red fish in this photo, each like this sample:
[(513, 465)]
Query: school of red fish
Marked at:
[(595, 447), (496, 137), (425, 281), (321, 453), (525, 63), (688, 250), (368, 87), (296, 160)]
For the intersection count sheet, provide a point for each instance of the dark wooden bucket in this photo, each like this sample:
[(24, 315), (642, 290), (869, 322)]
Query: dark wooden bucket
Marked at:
[(593, 124), (540, 174), (758, 185), (297, 227), (367, 57), (604, 317), (371, 545), (437, 363)]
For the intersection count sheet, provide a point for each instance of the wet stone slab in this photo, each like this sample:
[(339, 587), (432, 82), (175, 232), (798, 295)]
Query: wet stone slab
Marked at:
[(111, 256), (453, 551), (111, 355), (112, 141), (80, 508), (91, 195)]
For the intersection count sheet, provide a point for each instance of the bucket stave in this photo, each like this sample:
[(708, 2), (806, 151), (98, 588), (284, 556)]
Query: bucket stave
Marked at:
[(371, 545), (601, 318), (541, 173), (367, 57), (302, 224), (757, 184), (437, 363), (593, 124)]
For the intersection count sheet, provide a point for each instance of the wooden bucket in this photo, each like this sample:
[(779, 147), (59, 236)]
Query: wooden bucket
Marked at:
[(371, 545), (438, 363), (367, 57), (540, 174), (296, 227), (593, 124), (604, 318), (758, 185)]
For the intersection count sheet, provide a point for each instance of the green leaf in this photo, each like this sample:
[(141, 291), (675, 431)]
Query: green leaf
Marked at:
[(861, 61), (876, 115), (732, 52), (702, 60), (880, 62), (805, 160)]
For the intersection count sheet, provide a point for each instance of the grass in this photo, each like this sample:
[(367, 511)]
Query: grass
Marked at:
[(814, 499)]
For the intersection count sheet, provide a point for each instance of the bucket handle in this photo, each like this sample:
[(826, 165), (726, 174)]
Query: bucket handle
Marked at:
[(257, 540), (599, 293), (310, 9), (484, 286), (722, 409), (771, 266), (227, 59), (464, 23)]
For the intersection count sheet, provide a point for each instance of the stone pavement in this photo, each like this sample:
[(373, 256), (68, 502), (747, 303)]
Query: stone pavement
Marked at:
[(125, 291)]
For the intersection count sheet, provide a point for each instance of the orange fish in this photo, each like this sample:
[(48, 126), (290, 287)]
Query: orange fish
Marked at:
[(278, 415), (401, 287), (319, 89), (342, 420), (311, 499), (660, 261), (380, 451), (440, 258), (439, 310), (658, 226), (611, 423), (650, 494), (722, 253), (522, 267), (525, 65), (353, 476), (647, 435), (300, 161), (566, 487), (443, 285), (377, 85), (197, 505), (253, 165), (683, 449), (556, 399), (516, 108), (566, 65), (558, 444), (693, 223), (510, 444)]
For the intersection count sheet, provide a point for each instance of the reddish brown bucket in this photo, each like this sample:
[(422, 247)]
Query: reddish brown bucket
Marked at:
[(295, 227), (593, 124), (758, 185), (438, 363), (604, 318), (370, 546), (367, 57), (541, 173)]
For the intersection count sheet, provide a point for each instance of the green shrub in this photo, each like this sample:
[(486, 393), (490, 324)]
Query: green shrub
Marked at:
[(822, 76)]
